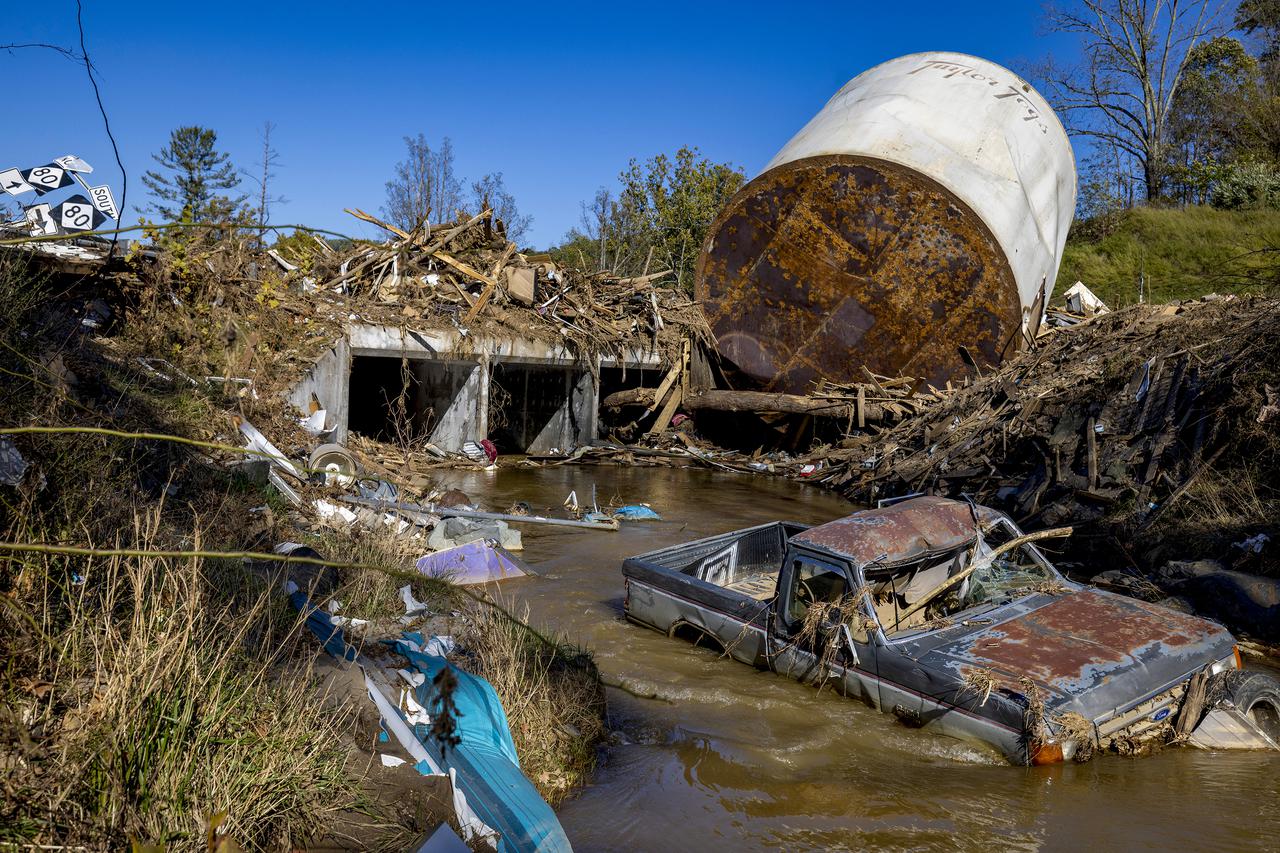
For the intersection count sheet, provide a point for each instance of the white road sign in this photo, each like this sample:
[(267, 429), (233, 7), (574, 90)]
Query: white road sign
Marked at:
[(77, 214), (104, 201), (41, 222), (12, 182), (47, 178), (72, 163)]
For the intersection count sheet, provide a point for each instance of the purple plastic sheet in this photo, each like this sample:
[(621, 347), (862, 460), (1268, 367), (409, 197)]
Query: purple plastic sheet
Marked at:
[(472, 563)]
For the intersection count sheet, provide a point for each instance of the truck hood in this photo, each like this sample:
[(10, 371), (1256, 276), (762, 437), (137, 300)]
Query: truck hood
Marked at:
[(1089, 651)]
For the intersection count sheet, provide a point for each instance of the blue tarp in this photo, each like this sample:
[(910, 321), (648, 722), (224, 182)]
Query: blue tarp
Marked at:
[(486, 761), (636, 512), (487, 767)]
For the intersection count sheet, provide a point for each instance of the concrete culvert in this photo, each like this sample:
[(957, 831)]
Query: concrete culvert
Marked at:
[(1256, 695)]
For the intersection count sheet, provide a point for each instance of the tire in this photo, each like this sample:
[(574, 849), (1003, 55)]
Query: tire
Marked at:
[(1256, 695)]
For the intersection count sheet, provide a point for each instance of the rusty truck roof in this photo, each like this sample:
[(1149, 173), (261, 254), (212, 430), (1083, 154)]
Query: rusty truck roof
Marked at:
[(900, 533)]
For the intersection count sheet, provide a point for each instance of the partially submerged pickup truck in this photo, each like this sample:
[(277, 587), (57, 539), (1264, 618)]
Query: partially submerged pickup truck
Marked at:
[(946, 615)]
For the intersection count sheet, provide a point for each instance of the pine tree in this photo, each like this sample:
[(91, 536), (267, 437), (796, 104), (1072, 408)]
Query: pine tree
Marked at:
[(198, 172)]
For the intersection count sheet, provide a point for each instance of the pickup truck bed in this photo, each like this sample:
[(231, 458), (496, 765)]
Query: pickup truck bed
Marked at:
[(716, 586)]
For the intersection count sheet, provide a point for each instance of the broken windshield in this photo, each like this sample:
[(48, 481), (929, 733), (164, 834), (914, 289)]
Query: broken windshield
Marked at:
[(928, 595)]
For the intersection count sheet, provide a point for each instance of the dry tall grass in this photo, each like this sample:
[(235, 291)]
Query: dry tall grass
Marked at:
[(150, 701)]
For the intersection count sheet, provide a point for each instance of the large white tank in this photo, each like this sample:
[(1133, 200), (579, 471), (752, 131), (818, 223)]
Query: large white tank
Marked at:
[(923, 209)]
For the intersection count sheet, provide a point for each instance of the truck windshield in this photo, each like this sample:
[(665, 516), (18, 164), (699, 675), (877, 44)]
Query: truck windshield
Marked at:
[(927, 595)]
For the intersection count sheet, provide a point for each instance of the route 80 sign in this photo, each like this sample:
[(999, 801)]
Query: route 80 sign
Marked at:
[(77, 214), (74, 215)]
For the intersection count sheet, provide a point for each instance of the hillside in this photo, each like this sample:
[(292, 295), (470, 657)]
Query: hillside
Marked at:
[(1183, 253)]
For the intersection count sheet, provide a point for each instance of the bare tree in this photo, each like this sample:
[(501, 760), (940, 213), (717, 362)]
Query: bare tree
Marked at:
[(596, 218), (424, 186), (491, 191), (264, 175), (1134, 53)]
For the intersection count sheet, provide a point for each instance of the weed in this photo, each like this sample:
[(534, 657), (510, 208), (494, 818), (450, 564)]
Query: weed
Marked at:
[(167, 701)]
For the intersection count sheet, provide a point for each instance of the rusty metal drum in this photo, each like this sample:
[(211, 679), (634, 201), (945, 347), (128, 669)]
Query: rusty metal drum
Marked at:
[(922, 210)]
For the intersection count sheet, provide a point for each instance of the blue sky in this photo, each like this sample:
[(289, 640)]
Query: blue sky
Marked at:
[(558, 98)]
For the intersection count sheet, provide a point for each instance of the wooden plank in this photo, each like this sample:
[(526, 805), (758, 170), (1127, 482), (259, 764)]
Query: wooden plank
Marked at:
[(481, 301), (862, 407), (874, 382), (663, 387), (373, 220), (465, 269), (669, 410), (1091, 450)]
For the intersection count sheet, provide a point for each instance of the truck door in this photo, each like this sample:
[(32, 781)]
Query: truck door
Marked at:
[(818, 625)]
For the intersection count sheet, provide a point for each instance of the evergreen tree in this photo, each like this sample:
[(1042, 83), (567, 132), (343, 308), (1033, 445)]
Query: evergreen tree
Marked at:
[(197, 173)]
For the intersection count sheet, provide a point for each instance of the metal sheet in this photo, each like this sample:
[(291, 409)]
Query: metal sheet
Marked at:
[(925, 207)]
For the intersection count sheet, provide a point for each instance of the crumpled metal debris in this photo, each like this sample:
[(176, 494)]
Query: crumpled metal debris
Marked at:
[(12, 466)]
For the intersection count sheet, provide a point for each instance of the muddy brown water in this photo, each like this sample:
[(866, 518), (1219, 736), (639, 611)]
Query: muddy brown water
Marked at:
[(732, 758)]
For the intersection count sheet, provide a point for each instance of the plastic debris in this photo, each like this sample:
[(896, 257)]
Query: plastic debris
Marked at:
[(412, 605), (444, 840), (1081, 300), (12, 466), (472, 563), (636, 512), (313, 424), (494, 801), (452, 532), (1254, 544)]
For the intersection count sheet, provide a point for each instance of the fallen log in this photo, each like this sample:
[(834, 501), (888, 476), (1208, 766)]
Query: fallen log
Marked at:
[(753, 401)]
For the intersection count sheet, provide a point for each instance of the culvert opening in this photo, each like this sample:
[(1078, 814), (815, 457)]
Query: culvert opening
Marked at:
[(534, 408), (407, 400)]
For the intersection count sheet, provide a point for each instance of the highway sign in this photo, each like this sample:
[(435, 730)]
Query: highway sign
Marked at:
[(12, 182)]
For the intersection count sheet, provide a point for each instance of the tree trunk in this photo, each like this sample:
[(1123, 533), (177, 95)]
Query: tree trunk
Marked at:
[(751, 401)]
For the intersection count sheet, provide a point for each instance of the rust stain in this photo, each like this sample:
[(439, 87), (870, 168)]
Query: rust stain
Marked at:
[(902, 532), (823, 265)]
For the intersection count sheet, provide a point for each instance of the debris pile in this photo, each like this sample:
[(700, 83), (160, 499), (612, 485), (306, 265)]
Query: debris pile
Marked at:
[(1118, 418), (469, 276)]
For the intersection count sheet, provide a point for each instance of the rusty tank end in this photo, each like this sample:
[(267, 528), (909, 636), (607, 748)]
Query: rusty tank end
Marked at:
[(823, 265)]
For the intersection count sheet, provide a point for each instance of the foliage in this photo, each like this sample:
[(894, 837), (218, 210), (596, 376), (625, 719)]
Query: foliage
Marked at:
[(1176, 254), (1261, 18), (425, 187), (197, 173), (1203, 123), (659, 218), (1100, 204), (1246, 185)]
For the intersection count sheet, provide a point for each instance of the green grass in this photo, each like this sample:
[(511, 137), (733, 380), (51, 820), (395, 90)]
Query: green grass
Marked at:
[(1183, 253)]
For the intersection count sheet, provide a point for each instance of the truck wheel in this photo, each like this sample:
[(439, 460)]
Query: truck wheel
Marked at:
[(1256, 695)]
